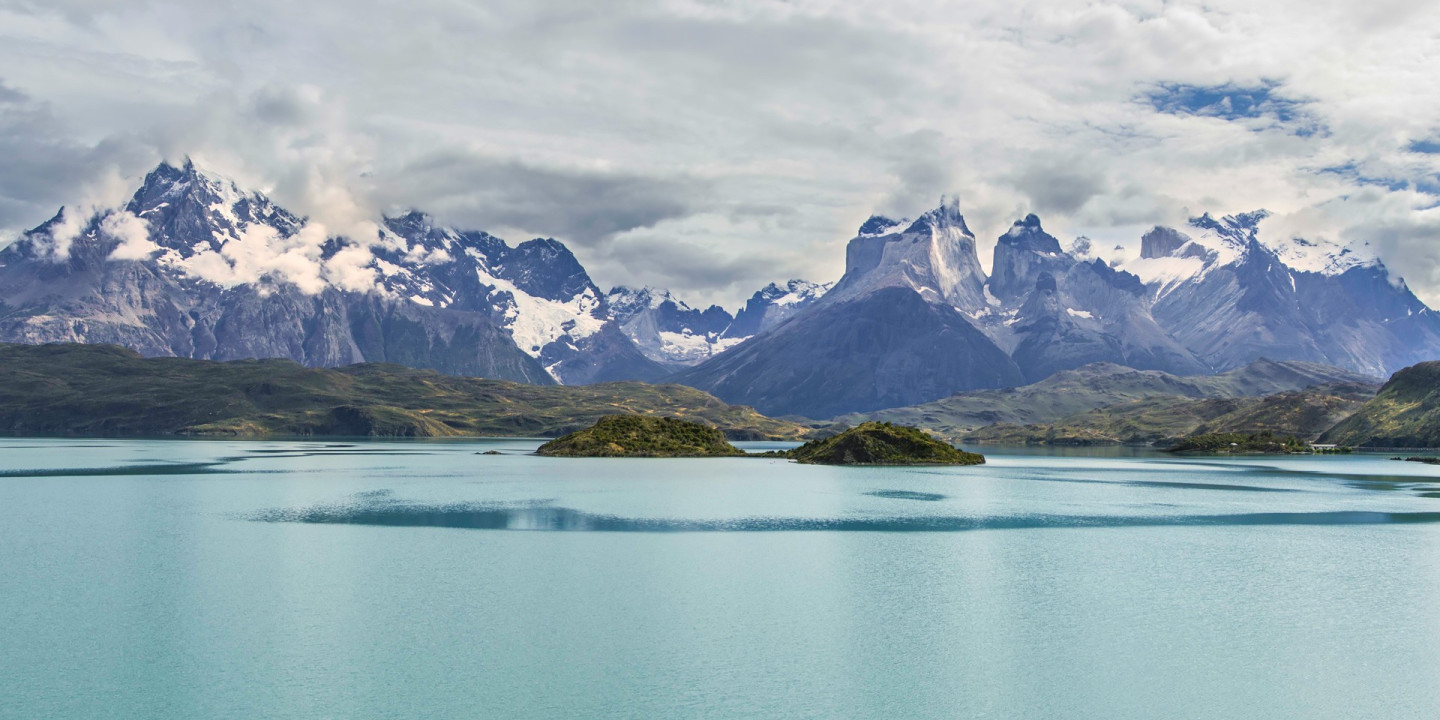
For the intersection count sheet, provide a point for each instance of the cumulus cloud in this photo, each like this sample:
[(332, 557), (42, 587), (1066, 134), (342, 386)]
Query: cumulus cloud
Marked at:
[(46, 165), (710, 146), (583, 205), (133, 234)]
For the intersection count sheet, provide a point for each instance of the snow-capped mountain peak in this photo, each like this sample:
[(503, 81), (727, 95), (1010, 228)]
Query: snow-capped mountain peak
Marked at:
[(879, 225), (794, 292), (945, 217), (179, 202), (1169, 257), (1323, 256), (665, 328), (934, 256), (625, 301)]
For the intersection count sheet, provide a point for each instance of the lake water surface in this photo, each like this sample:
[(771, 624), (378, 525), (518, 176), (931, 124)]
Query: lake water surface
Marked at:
[(174, 579)]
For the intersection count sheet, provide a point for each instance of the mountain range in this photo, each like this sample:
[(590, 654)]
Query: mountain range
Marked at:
[(915, 318), (195, 266)]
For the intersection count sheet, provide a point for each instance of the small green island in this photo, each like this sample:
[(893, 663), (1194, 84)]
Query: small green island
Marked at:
[(648, 436), (882, 443), (1257, 443), (642, 436)]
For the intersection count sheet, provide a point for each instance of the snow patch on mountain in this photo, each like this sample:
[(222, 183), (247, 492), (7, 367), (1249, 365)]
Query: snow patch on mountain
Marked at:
[(535, 322), (667, 329), (1170, 258), (1322, 256)]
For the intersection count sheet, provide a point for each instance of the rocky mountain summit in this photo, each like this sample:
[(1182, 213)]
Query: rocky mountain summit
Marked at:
[(915, 315), (669, 331)]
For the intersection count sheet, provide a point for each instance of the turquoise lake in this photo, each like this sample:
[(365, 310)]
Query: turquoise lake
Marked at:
[(194, 579)]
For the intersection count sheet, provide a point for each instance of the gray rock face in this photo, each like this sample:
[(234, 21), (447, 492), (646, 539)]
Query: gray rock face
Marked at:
[(774, 304), (667, 330), (1022, 255), (671, 332), (196, 267), (933, 256), (1245, 302), (1162, 242), (1211, 302), (890, 332), (1057, 312), (885, 349)]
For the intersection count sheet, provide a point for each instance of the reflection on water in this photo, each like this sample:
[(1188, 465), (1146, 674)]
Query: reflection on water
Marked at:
[(119, 470), (907, 495), (378, 508)]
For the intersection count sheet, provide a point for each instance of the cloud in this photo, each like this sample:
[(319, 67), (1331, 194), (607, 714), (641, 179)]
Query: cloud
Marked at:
[(586, 206), (133, 234), (1061, 185), (710, 145), (46, 167)]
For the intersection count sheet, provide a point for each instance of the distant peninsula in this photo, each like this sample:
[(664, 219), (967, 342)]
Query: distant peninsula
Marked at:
[(882, 443), (642, 436), (107, 391)]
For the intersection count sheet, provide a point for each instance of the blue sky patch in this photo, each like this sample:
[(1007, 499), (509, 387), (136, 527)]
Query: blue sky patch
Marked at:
[(1234, 103), (1429, 147), (1350, 171)]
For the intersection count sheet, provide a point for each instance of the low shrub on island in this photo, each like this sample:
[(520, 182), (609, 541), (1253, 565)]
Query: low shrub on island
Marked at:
[(642, 436), (1230, 443), (881, 443)]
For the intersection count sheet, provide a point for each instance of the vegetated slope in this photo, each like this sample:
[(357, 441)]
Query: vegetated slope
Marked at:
[(1232, 443), (1303, 413), (69, 389), (641, 436), (1099, 385), (875, 443), (1405, 413)]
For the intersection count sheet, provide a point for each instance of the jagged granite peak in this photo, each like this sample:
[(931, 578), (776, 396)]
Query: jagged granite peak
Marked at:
[(935, 256), (537, 290), (880, 225), (626, 303), (1056, 311), (666, 329), (1161, 241), (1230, 296), (1240, 229), (774, 304), (179, 203), (196, 266), (947, 215), (1021, 255)]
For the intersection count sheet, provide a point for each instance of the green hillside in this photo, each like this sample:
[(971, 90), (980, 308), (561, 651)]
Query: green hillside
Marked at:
[(1404, 414), (875, 443), (641, 436), (1303, 413), (103, 390)]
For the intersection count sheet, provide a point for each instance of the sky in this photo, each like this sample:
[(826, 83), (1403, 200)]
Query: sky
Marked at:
[(711, 147)]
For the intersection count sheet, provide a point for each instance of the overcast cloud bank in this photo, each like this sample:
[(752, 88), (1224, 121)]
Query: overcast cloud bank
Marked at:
[(712, 147)]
